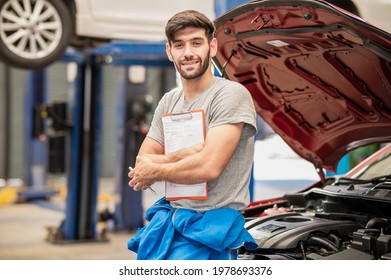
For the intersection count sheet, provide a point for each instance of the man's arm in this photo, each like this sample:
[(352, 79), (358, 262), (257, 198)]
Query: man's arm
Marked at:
[(206, 165), (150, 147), (155, 152)]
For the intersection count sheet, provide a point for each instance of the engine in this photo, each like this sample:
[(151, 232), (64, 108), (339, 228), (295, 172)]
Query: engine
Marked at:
[(321, 226)]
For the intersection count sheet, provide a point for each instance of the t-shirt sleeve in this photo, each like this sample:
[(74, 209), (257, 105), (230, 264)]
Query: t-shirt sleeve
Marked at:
[(156, 129), (234, 104)]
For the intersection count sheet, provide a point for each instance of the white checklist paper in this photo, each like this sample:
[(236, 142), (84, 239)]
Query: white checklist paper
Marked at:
[(183, 130)]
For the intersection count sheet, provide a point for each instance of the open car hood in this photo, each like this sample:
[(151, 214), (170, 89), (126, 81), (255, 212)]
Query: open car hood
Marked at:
[(319, 76)]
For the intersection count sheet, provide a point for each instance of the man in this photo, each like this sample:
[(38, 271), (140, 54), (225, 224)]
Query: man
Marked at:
[(200, 229)]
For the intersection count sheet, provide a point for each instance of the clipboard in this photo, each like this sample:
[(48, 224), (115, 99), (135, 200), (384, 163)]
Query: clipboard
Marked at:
[(183, 130)]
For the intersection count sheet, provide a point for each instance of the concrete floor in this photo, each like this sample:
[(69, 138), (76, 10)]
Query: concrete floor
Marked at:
[(24, 229), (23, 234)]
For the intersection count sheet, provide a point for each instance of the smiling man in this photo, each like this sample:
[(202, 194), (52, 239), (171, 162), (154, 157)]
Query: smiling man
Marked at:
[(210, 228)]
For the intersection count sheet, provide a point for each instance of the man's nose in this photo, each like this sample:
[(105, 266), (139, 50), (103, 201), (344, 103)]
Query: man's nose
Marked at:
[(188, 51)]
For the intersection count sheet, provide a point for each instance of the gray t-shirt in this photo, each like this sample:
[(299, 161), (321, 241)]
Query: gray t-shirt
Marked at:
[(224, 102)]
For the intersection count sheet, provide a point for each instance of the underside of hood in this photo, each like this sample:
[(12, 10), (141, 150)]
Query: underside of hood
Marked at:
[(319, 76)]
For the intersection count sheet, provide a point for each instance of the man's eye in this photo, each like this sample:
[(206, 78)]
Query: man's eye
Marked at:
[(178, 46)]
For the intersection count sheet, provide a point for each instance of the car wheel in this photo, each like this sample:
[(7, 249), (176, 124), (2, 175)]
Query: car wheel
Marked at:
[(33, 33)]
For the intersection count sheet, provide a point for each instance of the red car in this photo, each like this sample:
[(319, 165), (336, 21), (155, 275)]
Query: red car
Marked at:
[(321, 78)]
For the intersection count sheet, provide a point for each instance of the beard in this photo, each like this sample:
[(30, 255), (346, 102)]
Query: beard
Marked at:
[(202, 66)]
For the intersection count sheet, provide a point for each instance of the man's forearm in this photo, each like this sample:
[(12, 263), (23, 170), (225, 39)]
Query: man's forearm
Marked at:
[(176, 156), (190, 170)]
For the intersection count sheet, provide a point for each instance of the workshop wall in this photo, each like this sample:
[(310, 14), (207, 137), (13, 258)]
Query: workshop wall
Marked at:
[(114, 78), (16, 119)]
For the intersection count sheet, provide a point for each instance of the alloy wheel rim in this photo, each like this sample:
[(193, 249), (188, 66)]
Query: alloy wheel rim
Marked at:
[(31, 29)]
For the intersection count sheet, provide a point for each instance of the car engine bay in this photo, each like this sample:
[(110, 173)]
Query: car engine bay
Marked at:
[(347, 219)]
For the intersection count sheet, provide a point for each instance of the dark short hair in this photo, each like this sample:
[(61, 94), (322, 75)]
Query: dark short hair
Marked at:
[(189, 18)]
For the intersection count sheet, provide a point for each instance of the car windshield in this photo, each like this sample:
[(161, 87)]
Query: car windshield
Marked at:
[(377, 171), (381, 167)]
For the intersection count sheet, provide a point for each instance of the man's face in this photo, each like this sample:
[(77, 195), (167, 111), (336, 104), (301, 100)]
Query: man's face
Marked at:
[(191, 52)]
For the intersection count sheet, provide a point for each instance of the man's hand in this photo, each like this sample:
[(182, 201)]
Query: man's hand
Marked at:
[(142, 177)]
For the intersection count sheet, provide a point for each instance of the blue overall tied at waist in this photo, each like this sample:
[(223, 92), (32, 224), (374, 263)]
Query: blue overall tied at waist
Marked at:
[(183, 234)]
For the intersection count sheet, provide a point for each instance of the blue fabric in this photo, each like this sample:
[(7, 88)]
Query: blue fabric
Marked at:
[(188, 235)]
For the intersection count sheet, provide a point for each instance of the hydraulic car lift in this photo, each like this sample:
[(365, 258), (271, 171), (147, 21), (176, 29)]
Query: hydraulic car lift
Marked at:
[(81, 218)]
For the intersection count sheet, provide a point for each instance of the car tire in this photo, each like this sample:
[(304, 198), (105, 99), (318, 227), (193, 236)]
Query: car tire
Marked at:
[(29, 41)]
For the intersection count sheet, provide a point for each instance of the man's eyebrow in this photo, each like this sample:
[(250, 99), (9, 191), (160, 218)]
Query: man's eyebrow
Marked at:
[(197, 38), (192, 39)]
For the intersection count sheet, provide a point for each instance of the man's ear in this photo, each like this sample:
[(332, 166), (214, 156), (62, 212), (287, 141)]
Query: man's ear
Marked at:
[(213, 47), (168, 52)]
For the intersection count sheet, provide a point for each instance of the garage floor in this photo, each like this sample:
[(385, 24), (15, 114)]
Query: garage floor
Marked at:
[(24, 229), (23, 233)]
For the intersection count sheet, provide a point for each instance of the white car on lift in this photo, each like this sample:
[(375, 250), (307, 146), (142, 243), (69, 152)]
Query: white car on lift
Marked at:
[(35, 33)]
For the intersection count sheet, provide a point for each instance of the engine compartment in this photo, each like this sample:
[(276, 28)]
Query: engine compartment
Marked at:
[(322, 223)]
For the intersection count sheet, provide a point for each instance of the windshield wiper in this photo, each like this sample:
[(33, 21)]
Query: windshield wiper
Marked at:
[(374, 180)]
